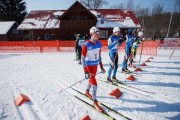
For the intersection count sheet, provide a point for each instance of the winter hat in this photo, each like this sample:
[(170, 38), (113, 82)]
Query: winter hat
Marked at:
[(79, 35), (130, 30), (116, 29), (93, 30), (140, 33)]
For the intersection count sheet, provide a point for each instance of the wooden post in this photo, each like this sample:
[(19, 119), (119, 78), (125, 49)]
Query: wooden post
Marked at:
[(174, 49)]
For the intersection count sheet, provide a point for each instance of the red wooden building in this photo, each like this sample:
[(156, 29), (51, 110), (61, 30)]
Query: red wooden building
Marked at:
[(9, 31), (64, 24)]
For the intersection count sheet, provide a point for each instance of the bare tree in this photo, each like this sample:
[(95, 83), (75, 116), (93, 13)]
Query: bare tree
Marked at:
[(140, 11), (94, 4), (177, 7), (154, 20), (158, 8), (119, 6), (131, 5)]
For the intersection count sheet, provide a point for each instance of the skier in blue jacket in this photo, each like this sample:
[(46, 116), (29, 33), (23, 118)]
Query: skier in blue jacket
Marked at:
[(129, 42), (113, 42), (136, 42)]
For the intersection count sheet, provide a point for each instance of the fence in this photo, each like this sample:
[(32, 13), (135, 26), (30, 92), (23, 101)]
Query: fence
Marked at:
[(169, 43), (149, 47)]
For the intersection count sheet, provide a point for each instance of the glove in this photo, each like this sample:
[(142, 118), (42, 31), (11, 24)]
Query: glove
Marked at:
[(87, 75), (103, 70), (135, 45), (138, 42), (120, 40)]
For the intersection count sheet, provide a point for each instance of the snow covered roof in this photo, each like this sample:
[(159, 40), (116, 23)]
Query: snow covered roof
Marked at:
[(5, 26), (44, 19), (109, 18)]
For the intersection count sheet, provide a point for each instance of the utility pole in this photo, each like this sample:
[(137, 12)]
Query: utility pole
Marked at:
[(171, 19)]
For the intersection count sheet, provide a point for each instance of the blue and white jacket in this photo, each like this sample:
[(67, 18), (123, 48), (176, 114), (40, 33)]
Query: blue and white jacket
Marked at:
[(91, 53), (112, 43), (129, 40)]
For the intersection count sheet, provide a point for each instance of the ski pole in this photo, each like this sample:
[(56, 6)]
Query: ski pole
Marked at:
[(76, 83), (141, 53), (72, 85), (96, 73), (125, 77)]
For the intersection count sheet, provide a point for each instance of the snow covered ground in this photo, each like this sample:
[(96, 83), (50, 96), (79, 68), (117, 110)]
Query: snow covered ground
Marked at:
[(44, 77)]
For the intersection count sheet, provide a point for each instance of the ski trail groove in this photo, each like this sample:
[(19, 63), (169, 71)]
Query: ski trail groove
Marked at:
[(27, 110)]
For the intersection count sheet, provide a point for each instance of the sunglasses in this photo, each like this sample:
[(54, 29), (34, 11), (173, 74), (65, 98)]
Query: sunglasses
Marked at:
[(97, 32)]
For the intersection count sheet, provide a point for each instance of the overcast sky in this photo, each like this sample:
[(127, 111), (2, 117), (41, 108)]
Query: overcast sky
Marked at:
[(65, 4)]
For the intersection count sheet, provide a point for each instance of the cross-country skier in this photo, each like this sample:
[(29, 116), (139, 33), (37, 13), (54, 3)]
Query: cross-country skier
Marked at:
[(136, 42), (113, 42), (78, 45), (129, 40), (91, 57)]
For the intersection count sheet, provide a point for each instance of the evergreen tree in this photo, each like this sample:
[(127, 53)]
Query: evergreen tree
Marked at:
[(12, 10)]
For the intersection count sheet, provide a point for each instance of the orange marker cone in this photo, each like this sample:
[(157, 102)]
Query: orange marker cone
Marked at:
[(86, 117), (21, 99), (131, 77), (143, 64), (138, 70), (116, 93), (150, 57), (147, 60)]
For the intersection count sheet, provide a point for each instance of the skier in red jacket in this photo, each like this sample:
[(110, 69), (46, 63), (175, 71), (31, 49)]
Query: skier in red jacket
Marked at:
[(91, 57)]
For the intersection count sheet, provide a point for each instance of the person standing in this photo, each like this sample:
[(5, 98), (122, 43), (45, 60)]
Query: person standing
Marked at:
[(136, 42), (91, 57), (129, 42), (78, 47), (113, 42)]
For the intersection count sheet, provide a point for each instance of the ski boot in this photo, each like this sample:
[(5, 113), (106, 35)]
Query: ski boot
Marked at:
[(132, 66), (127, 71), (87, 94), (109, 81), (114, 79), (123, 71), (79, 63), (98, 108)]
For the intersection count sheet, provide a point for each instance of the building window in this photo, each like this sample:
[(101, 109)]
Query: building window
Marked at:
[(56, 16), (99, 16), (103, 33), (107, 34), (15, 31), (49, 36)]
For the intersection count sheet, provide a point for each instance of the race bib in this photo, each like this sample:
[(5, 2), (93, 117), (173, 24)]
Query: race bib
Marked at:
[(81, 42)]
